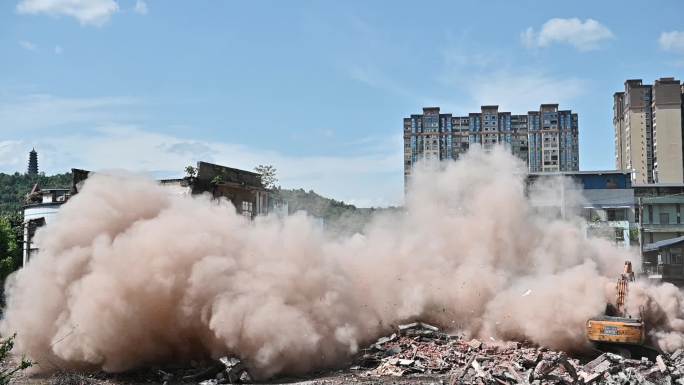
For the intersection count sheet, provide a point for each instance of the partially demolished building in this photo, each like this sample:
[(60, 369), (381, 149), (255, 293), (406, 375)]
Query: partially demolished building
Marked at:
[(243, 188), (40, 208)]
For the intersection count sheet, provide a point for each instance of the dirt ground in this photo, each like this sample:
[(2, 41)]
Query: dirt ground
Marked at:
[(151, 376), (327, 379)]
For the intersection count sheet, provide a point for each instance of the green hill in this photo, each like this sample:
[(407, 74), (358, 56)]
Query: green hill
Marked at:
[(337, 216), (14, 187)]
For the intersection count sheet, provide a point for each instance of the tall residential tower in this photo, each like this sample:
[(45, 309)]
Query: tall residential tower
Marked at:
[(547, 139), (648, 131)]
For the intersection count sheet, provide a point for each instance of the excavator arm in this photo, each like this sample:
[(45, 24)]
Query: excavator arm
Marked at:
[(617, 331)]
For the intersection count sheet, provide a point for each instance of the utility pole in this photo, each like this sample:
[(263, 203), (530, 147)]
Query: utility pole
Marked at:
[(640, 227), (562, 197)]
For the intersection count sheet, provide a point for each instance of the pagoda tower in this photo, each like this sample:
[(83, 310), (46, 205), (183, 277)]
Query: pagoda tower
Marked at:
[(33, 163)]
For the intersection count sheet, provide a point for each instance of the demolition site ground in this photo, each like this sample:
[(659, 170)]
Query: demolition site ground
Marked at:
[(416, 353)]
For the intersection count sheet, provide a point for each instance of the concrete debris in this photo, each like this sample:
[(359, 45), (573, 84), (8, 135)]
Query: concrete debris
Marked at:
[(419, 349), (227, 370), (235, 371), (475, 344), (661, 364)]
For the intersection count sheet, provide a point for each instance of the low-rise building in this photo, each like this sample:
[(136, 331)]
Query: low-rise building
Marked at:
[(663, 260), (605, 199), (243, 188), (40, 208), (660, 228), (660, 212)]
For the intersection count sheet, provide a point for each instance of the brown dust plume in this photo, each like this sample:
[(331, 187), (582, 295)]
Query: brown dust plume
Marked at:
[(130, 275)]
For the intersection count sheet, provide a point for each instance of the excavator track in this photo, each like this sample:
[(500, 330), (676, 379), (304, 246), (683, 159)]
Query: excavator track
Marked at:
[(628, 351)]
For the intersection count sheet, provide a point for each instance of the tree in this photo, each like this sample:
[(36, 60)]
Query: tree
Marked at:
[(215, 182), (190, 171), (10, 250), (6, 374), (268, 175), (14, 187)]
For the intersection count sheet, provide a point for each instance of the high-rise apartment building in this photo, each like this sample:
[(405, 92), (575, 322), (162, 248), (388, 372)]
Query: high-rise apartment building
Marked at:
[(547, 140), (666, 111), (648, 131)]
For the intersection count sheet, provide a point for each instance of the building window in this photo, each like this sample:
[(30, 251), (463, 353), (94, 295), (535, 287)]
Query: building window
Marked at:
[(615, 215), (247, 208), (664, 218)]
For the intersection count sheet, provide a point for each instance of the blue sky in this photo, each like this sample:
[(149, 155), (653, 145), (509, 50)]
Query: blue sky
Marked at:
[(317, 88)]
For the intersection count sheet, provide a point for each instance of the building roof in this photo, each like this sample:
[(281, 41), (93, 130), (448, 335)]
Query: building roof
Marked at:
[(206, 172), (669, 80), (591, 172), (225, 168), (171, 180), (664, 243)]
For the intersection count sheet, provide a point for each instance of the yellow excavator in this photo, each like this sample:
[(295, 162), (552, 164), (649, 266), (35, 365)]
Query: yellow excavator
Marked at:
[(617, 331)]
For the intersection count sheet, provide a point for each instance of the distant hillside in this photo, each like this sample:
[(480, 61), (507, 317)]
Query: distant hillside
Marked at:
[(339, 217), (314, 204), (13, 188)]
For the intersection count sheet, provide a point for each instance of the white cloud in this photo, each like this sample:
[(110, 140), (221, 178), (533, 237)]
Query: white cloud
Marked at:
[(373, 178), (372, 175), (528, 38), (10, 153), (672, 41), (88, 12), (27, 45), (140, 7), (38, 111), (374, 78), (58, 49), (490, 79), (523, 91), (584, 35)]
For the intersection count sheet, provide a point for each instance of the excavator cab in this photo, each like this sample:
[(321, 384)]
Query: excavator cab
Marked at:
[(617, 331)]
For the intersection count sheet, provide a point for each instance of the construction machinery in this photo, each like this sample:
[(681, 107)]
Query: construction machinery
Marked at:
[(617, 331)]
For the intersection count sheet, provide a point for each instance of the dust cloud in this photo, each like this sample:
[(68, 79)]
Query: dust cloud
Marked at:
[(130, 275)]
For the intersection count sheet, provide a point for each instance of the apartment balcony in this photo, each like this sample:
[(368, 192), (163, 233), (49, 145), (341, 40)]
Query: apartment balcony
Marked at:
[(662, 228), (611, 224)]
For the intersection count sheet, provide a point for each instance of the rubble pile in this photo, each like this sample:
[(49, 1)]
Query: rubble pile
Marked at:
[(227, 370), (613, 369), (422, 349)]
